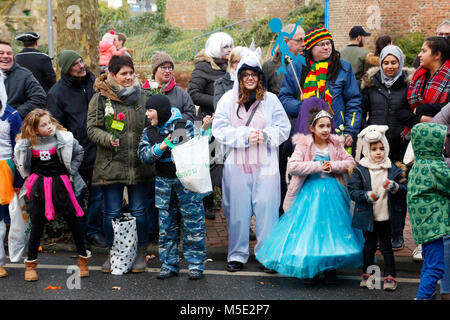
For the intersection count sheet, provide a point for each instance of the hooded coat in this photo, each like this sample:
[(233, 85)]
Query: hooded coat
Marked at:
[(382, 104), (428, 196), (123, 165)]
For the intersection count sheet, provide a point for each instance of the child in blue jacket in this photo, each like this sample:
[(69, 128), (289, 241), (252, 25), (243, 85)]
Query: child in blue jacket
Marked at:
[(168, 127)]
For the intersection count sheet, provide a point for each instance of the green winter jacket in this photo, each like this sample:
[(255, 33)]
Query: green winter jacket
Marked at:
[(428, 195), (123, 165)]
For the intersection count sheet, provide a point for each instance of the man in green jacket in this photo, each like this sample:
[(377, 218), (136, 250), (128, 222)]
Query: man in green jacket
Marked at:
[(354, 52), (428, 200)]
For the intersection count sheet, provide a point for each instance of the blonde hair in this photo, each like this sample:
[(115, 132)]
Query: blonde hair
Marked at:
[(31, 123), (235, 53)]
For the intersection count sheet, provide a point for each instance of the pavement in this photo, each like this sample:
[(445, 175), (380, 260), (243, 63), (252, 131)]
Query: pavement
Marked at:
[(217, 245)]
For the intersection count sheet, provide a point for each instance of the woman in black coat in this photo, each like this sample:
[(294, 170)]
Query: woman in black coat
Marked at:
[(384, 91), (210, 64)]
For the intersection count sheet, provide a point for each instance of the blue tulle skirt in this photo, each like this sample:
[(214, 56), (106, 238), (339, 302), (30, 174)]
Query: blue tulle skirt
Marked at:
[(315, 233)]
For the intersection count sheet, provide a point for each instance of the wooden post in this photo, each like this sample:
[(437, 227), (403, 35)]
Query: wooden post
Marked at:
[(77, 29)]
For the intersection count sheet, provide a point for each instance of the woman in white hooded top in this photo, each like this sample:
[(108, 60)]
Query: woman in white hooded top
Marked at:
[(250, 123)]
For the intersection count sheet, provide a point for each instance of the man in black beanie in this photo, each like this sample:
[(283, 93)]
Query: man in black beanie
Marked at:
[(169, 128), (68, 101)]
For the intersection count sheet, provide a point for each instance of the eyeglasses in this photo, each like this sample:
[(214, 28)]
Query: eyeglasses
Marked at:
[(246, 76), (166, 68), (301, 40), (324, 44), (235, 61)]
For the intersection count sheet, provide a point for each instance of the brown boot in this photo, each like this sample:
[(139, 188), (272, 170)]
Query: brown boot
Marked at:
[(83, 264), (3, 272), (30, 270), (445, 296)]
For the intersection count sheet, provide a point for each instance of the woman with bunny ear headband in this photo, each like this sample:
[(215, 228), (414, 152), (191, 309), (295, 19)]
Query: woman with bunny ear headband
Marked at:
[(250, 123)]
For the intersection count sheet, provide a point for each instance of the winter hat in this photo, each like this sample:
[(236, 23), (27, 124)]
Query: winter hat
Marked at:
[(65, 60), (369, 135), (161, 104), (316, 35), (159, 58), (109, 37)]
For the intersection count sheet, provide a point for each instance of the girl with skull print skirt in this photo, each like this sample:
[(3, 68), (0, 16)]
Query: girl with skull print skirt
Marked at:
[(48, 157)]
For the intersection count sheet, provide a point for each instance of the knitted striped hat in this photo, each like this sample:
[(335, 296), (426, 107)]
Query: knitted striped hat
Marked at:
[(316, 35)]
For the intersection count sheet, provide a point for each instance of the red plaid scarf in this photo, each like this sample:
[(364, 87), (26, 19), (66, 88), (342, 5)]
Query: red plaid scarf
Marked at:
[(437, 88)]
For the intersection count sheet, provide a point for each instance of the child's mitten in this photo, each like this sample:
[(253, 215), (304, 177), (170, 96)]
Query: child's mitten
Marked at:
[(390, 186), (371, 196)]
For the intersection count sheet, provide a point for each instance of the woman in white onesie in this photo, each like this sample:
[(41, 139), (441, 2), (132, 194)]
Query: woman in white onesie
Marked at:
[(250, 123)]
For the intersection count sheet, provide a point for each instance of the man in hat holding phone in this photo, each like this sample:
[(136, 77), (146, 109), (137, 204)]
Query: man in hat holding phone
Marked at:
[(37, 62)]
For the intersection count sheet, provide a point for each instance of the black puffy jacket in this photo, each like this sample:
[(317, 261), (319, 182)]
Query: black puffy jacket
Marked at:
[(201, 84), (381, 104)]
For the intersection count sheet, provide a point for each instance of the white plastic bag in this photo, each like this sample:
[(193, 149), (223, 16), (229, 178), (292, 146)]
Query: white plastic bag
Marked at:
[(123, 251), (20, 228), (192, 164)]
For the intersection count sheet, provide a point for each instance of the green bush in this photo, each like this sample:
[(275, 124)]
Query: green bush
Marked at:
[(410, 45), (313, 15)]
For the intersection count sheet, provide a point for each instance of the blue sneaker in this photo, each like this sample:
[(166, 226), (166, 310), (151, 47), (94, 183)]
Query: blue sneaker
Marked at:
[(195, 274), (165, 273)]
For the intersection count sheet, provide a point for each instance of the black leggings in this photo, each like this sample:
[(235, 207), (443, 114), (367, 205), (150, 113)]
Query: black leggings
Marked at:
[(38, 221), (382, 232)]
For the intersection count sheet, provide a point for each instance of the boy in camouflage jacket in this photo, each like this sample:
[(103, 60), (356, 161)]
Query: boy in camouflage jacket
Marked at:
[(428, 200)]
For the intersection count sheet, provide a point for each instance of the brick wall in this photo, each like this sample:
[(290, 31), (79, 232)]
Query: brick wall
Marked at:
[(198, 14), (392, 17)]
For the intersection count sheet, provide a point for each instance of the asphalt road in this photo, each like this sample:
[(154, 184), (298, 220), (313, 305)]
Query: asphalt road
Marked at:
[(217, 284)]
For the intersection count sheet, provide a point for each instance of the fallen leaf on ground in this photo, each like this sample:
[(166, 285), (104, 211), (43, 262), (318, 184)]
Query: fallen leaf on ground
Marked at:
[(53, 288)]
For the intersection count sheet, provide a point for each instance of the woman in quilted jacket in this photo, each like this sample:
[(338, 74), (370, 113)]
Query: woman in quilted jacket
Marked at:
[(428, 202)]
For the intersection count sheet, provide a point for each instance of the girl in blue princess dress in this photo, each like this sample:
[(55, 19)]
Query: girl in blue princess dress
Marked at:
[(314, 235)]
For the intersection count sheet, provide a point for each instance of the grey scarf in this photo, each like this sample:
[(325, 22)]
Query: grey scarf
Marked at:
[(396, 52), (128, 95)]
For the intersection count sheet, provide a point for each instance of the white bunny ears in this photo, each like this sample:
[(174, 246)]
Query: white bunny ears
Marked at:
[(371, 134)]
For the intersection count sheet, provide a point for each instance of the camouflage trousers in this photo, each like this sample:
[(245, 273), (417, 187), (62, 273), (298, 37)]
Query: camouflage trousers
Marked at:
[(180, 210)]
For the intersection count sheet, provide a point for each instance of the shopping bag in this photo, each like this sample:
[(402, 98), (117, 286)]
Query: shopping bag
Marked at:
[(123, 251), (20, 227), (192, 164)]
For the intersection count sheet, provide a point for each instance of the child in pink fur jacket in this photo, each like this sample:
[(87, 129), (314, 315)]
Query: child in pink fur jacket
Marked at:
[(314, 236), (107, 49)]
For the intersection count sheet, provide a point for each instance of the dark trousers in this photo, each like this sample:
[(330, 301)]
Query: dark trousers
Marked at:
[(382, 232), (38, 221)]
